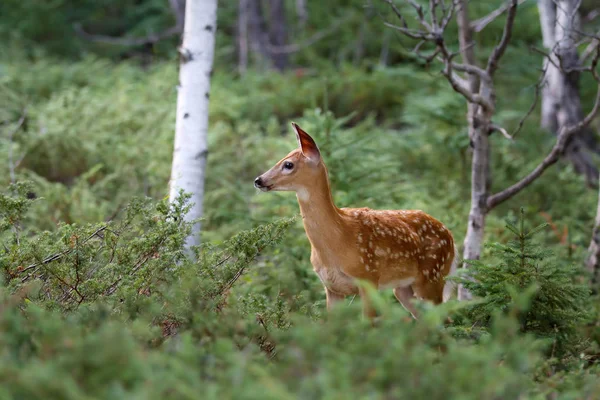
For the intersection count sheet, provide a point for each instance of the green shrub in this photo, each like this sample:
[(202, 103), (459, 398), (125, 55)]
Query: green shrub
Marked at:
[(560, 303)]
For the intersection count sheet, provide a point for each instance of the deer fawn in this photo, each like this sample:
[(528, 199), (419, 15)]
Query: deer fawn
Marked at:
[(405, 250)]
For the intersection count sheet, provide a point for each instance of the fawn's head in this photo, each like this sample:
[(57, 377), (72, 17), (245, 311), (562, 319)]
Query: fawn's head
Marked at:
[(299, 169)]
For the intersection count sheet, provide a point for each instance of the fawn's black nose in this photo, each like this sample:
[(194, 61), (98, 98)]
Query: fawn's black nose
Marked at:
[(258, 183)]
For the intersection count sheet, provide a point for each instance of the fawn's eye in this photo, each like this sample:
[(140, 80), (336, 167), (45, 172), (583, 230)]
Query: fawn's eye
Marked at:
[(288, 165)]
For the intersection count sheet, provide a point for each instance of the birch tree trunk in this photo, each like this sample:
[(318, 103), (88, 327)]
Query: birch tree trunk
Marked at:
[(561, 103), (189, 155)]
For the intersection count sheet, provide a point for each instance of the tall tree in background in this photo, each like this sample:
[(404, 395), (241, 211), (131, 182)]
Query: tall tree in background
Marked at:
[(561, 103), (476, 84), (189, 155), (262, 34)]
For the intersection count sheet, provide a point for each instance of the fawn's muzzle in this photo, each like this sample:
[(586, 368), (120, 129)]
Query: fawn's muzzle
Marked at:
[(259, 184)]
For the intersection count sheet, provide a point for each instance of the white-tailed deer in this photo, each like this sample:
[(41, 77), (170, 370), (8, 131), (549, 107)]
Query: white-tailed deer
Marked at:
[(405, 250)]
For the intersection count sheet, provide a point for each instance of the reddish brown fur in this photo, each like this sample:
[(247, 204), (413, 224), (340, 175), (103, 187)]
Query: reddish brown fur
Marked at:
[(406, 250)]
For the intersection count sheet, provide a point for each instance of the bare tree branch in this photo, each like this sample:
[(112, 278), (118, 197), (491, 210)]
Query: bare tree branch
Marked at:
[(412, 33), (559, 147), (480, 24), (472, 69), (499, 50), (536, 97), (397, 12), (498, 128)]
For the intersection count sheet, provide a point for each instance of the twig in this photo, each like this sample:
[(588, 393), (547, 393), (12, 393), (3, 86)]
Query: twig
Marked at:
[(532, 107), (479, 24), (499, 50), (497, 128)]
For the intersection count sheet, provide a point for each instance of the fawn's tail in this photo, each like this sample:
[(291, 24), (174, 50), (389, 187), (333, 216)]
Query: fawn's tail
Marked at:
[(450, 286)]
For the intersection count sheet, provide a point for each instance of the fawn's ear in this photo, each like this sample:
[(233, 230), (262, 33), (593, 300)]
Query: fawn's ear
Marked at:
[(307, 144)]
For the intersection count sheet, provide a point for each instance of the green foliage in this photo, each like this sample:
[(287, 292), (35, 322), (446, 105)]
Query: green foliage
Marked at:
[(123, 294), (559, 304)]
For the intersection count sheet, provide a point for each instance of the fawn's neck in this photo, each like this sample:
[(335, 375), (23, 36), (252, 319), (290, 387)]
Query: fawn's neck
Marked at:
[(322, 220)]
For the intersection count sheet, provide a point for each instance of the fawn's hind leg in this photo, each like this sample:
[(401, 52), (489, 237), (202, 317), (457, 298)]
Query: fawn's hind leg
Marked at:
[(405, 294)]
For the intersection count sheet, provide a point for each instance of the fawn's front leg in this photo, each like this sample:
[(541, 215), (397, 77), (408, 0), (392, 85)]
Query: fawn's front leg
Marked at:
[(368, 309), (332, 298)]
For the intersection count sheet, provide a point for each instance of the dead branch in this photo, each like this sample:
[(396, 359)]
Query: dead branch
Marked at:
[(497, 128), (411, 33), (536, 98), (460, 86), (499, 50), (480, 24), (562, 140)]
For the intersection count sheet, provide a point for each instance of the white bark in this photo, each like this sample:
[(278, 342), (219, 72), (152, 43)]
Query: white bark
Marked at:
[(189, 155)]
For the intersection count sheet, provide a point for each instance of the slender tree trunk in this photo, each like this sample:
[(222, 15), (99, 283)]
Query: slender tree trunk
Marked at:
[(242, 38), (593, 260), (561, 103), (189, 155), (258, 35), (178, 9), (278, 33), (478, 123)]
